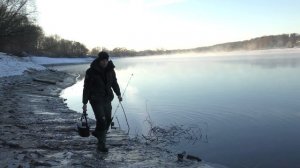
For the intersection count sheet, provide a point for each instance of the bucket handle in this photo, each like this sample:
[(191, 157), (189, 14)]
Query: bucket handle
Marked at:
[(84, 116)]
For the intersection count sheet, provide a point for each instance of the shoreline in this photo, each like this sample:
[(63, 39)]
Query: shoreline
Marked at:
[(38, 130)]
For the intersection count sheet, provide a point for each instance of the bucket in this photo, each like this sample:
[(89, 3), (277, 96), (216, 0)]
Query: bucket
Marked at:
[(83, 126)]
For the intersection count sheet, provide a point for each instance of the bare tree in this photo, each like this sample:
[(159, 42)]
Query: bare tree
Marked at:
[(95, 51), (13, 15), (59, 47), (17, 30)]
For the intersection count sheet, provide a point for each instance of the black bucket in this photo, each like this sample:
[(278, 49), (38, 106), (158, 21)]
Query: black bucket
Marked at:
[(83, 126)]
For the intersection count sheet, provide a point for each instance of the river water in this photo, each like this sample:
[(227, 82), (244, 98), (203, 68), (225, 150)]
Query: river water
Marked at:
[(246, 105)]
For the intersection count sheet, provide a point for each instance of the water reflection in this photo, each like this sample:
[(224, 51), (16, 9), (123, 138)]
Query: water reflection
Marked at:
[(285, 60), (250, 104)]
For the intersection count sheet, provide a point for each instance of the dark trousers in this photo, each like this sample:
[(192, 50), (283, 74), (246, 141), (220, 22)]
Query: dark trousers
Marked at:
[(102, 111)]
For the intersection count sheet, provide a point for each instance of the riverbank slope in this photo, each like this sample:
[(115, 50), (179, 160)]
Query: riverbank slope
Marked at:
[(37, 129)]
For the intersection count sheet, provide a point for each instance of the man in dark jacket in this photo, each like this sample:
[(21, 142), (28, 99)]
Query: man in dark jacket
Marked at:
[(99, 80)]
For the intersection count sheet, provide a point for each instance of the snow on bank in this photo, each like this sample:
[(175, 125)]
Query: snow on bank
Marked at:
[(48, 61), (12, 65)]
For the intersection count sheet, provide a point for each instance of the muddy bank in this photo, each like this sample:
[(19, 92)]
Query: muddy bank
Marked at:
[(38, 130)]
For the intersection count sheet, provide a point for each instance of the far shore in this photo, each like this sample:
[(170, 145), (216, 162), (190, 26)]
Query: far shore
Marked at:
[(86, 60)]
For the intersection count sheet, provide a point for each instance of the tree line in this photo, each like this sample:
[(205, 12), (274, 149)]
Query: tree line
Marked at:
[(19, 33), (54, 46), (259, 43), (124, 52)]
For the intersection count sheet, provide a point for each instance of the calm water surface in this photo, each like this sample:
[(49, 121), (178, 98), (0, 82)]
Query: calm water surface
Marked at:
[(247, 105)]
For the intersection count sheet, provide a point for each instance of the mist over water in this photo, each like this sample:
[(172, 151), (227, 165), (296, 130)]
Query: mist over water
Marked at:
[(248, 105)]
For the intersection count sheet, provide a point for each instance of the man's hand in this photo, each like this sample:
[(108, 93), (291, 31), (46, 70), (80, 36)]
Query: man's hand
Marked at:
[(84, 108), (120, 98)]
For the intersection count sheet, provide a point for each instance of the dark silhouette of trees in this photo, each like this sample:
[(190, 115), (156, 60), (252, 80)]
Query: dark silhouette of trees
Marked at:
[(259, 43), (293, 40), (265, 42), (17, 31), (54, 46), (122, 52), (96, 50)]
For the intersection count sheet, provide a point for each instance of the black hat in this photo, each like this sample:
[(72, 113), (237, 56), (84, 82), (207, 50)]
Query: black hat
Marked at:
[(103, 55)]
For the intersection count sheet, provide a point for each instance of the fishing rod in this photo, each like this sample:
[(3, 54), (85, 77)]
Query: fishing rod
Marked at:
[(121, 104), (122, 96)]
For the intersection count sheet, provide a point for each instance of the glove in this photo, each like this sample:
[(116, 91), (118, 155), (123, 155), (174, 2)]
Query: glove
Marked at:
[(120, 98)]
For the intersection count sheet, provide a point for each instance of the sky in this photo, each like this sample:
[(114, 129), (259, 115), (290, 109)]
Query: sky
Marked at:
[(166, 24)]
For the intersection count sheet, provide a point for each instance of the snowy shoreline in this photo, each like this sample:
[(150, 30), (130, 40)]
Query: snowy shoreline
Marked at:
[(59, 61), (13, 65)]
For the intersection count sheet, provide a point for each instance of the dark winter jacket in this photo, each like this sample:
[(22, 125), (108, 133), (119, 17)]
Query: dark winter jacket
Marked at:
[(98, 83)]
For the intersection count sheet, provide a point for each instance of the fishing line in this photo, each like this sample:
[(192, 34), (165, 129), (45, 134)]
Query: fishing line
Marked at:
[(118, 122), (125, 117)]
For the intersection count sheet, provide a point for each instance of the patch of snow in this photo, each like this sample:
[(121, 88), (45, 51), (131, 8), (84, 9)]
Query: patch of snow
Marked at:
[(48, 61), (13, 65)]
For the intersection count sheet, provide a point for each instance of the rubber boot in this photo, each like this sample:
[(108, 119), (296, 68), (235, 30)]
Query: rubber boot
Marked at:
[(94, 133), (102, 147), (101, 142)]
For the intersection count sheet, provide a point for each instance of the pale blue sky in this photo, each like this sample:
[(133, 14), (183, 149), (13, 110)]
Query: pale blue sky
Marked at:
[(169, 24)]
